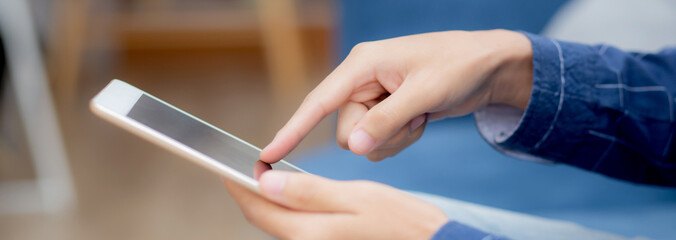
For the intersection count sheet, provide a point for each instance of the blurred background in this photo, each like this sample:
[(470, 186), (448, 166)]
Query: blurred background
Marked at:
[(244, 66)]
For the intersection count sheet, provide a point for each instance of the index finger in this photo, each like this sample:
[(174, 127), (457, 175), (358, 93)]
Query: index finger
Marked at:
[(326, 98)]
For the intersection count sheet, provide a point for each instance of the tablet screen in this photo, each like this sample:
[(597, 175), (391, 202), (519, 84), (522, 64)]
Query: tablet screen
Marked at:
[(201, 137)]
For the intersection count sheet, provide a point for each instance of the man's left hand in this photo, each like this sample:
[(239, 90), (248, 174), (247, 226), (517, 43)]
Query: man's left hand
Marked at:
[(305, 206)]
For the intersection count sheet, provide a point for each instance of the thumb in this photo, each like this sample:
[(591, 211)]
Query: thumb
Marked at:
[(385, 119), (303, 191)]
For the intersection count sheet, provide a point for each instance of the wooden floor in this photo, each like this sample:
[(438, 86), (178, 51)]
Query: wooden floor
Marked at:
[(130, 189)]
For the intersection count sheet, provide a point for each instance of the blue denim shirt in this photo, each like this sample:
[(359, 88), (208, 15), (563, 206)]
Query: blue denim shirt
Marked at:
[(594, 107)]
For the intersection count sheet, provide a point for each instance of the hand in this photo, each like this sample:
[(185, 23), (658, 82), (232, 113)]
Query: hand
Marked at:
[(305, 206), (387, 90)]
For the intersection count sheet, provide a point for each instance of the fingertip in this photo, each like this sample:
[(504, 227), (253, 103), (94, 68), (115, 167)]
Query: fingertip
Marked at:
[(273, 152), (267, 155), (361, 142)]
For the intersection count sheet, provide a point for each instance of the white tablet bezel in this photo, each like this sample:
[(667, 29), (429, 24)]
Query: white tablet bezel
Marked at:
[(115, 101)]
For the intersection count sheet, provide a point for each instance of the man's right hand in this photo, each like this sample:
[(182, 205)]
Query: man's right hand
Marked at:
[(387, 90)]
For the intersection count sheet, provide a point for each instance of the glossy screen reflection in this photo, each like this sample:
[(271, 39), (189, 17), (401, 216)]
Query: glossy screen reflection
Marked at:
[(201, 137)]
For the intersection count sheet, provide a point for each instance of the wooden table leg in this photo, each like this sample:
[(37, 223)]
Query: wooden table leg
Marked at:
[(283, 48)]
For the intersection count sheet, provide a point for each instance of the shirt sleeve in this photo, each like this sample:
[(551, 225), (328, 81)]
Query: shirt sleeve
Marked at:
[(595, 107), (453, 230)]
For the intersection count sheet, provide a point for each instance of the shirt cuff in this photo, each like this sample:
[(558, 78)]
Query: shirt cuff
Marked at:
[(453, 230), (536, 133), (497, 123)]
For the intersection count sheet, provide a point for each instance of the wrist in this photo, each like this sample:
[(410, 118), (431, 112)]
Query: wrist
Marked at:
[(512, 80)]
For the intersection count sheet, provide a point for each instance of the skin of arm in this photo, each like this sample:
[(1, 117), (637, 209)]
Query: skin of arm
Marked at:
[(385, 92)]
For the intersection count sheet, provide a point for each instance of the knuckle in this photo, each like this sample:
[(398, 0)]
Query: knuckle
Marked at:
[(323, 106), (370, 186), (360, 184), (311, 97), (361, 47), (365, 189)]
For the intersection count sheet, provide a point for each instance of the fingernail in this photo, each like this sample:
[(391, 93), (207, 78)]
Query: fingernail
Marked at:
[(417, 122), (361, 142), (272, 183)]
